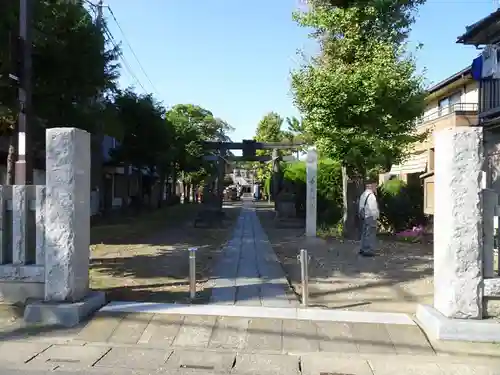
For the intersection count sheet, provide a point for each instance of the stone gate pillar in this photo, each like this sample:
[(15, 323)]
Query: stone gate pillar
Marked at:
[(68, 299), (67, 214), (458, 235), (458, 239)]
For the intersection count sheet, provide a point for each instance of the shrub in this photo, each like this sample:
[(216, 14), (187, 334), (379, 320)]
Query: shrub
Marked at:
[(329, 196), (401, 204)]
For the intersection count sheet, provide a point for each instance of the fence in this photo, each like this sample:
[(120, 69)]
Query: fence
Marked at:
[(491, 266), (22, 240)]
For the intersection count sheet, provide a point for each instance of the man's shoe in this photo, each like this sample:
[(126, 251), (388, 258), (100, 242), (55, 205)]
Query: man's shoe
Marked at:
[(367, 254)]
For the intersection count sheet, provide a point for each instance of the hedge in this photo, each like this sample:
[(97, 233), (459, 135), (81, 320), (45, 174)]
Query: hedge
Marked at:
[(329, 188), (401, 204)]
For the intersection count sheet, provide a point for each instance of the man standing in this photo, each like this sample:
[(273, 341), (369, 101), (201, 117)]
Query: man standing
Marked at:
[(369, 214)]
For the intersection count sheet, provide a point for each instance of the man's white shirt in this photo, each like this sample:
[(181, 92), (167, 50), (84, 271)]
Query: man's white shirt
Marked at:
[(369, 205)]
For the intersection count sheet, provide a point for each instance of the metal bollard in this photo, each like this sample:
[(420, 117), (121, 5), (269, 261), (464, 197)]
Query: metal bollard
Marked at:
[(192, 272), (304, 273)]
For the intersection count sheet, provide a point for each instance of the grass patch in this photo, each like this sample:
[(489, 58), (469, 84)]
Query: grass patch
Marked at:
[(145, 258)]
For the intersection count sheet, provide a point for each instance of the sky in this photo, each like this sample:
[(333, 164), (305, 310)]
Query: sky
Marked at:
[(234, 57)]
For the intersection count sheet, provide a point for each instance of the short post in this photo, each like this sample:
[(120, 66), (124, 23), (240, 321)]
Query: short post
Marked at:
[(304, 273), (192, 272)]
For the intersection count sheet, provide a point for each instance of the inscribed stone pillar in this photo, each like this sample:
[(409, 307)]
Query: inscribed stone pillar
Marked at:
[(311, 195), (458, 236), (67, 214)]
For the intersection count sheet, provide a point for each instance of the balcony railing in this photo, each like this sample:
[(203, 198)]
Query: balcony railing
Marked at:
[(489, 98), (454, 108)]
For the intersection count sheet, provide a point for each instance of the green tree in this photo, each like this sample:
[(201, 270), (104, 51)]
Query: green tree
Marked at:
[(360, 97), (146, 134), (269, 129), (193, 125), (297, 133), (72, 68)]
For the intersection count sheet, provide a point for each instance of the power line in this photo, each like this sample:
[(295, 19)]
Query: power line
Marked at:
[(111, 39), (132, 50)]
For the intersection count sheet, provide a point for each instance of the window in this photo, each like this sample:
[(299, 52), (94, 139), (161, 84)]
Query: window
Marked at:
[(444, 106), (447, 104)]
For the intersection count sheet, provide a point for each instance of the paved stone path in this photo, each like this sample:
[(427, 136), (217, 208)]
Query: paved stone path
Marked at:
[(175, 344), (248, 271)]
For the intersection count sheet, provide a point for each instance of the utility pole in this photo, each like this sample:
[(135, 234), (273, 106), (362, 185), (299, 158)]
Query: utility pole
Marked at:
[(97, 136), (24, 167)]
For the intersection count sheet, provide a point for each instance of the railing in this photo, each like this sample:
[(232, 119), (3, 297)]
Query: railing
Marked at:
[(489, 97), (454, 108), (22, 233)]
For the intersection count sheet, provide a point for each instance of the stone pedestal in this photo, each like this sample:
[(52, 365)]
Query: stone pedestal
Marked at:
[(311, 195), (67, 214)]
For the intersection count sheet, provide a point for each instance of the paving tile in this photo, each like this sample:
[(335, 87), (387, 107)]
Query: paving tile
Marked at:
[(100, 328), (162, 330), (69, 356), (20, 352), (195, 331), (229, 332), (248, 295), (202, 361), (399, 367), (264, 364), (442, 347), (409, 339), (135, 358), (300, 336), (130, 329), (372, 338), (316, 365), (461, 369), (336, 337), (265, 335)]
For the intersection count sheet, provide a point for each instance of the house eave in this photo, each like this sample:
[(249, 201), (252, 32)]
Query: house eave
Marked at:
[(485, 31)]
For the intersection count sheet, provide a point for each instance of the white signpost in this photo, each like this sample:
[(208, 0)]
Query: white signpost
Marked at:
[(311, 196)]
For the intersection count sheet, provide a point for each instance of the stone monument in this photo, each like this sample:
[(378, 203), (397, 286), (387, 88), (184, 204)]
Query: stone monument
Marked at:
[(311, 194)]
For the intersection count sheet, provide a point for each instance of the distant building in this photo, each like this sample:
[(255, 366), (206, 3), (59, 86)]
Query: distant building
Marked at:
[(452, 102)]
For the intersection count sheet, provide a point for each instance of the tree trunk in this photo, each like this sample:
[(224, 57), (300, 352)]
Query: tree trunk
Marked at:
[(352, 188), (185, 190), (162, 187), (127, 181), (193, 195), (11, 160), (96, 170)]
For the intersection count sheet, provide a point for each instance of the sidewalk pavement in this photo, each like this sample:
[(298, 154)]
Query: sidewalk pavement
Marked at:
[(191, 344)]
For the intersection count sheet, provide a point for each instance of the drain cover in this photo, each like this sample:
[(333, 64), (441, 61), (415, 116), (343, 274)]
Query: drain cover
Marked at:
[(197, 367)]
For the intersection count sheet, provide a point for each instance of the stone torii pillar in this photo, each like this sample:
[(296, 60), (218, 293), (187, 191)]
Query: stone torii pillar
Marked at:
[(276, 177), (221, 172)]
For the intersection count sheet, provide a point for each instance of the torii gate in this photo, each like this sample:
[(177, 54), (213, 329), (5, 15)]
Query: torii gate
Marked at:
[(249, 148)]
